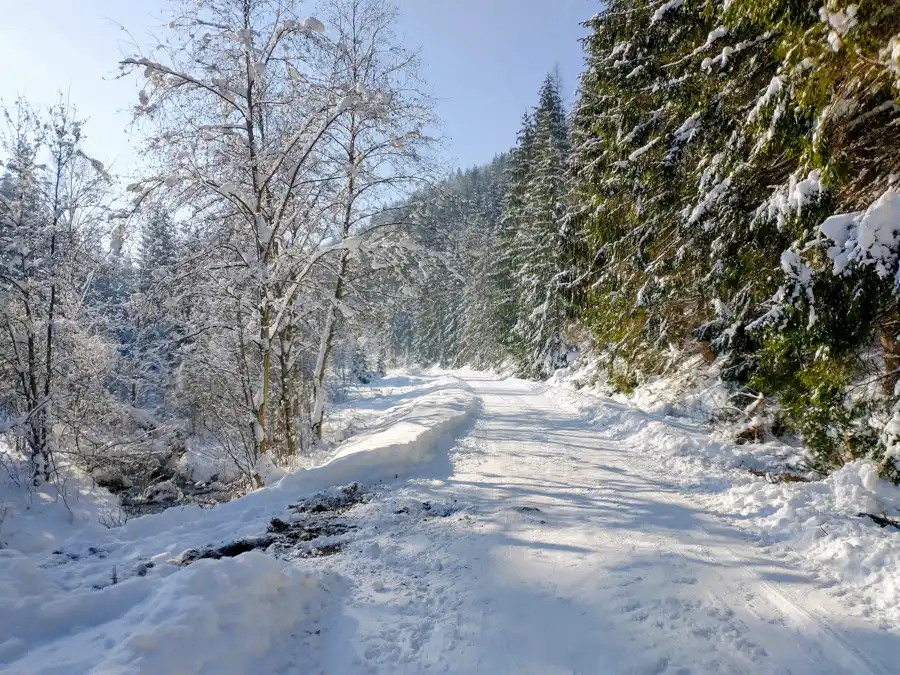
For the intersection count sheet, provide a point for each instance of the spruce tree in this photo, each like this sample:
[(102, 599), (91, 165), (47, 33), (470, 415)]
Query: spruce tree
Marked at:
[(712, 142), (538, 240)]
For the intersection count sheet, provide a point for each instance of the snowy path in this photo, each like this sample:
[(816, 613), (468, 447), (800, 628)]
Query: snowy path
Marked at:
[(563, 553)]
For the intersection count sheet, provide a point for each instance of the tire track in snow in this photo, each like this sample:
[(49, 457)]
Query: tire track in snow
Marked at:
[(825, 642)]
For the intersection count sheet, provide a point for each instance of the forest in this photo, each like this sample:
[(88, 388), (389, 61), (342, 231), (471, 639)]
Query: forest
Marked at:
[(293, 391), (724, 184)]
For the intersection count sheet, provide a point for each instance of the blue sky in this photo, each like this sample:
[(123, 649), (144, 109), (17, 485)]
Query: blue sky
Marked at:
[(484, 61)]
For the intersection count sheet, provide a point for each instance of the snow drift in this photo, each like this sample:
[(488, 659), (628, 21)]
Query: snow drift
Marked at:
[(403, 438), (816, 523), (219, 617)]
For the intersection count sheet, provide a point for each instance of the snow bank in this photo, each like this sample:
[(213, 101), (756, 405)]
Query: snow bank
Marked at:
[(112, 601), (33, 520), (413, 421), (396, 445), (214, 617), (692, 390), (401, 439), (815, 523), (819, 521), (415, 417)]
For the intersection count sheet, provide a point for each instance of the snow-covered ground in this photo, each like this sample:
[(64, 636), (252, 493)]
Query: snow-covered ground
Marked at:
[(508, 527), (814, 525), (77, 598)]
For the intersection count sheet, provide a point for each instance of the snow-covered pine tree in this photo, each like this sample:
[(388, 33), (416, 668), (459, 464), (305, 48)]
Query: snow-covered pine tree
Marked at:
[(512, 221), (498, 295), (712, 140), (156, 314), (484, 328), (831, 331), (537, 242)]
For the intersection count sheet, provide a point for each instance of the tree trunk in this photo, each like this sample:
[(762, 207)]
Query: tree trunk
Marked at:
[(325, 349), (287, 399), (260, 433), (891, 361), (318, 414)]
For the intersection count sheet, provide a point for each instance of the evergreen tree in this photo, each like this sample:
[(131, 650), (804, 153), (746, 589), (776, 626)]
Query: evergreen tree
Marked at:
[(538, 243), (156, 313), (712, 142), (498, 296)]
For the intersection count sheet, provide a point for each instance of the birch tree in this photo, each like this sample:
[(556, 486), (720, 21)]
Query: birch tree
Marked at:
[(237, 118), (273, 138), (380, 151)]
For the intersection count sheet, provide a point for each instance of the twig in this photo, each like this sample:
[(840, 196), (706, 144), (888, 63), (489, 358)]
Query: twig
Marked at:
[(881, 521)]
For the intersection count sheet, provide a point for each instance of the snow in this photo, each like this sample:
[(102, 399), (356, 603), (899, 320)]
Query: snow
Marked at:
[(771, 91), (35, 520), (687, 130), (509, 526), (868, 238), (891, 438), (643, 149), (708, 200), (715, 34), (619, 49), (163, 491), (813, 525), (728, 51), (795, 268), (663, 9), (841, 21), (250, 613), (806, 191), (559, 546), (891, 54), (398, 442), (792, 198), (346, 103), (313, 24), (227, 616)]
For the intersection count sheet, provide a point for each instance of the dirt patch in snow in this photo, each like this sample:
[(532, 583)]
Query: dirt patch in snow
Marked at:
[(313, 528)]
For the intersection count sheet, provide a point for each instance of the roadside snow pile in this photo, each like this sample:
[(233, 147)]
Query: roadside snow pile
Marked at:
[(365, 405), (415, 427), (682, 408), (817, 522), (822, 522), (407, 434), (693, 390), (221, 617), (403, 438), (415, 415), (139, 599)]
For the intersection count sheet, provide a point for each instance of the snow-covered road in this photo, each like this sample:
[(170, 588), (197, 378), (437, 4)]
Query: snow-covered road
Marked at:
[(512, 535), (559, 552)]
